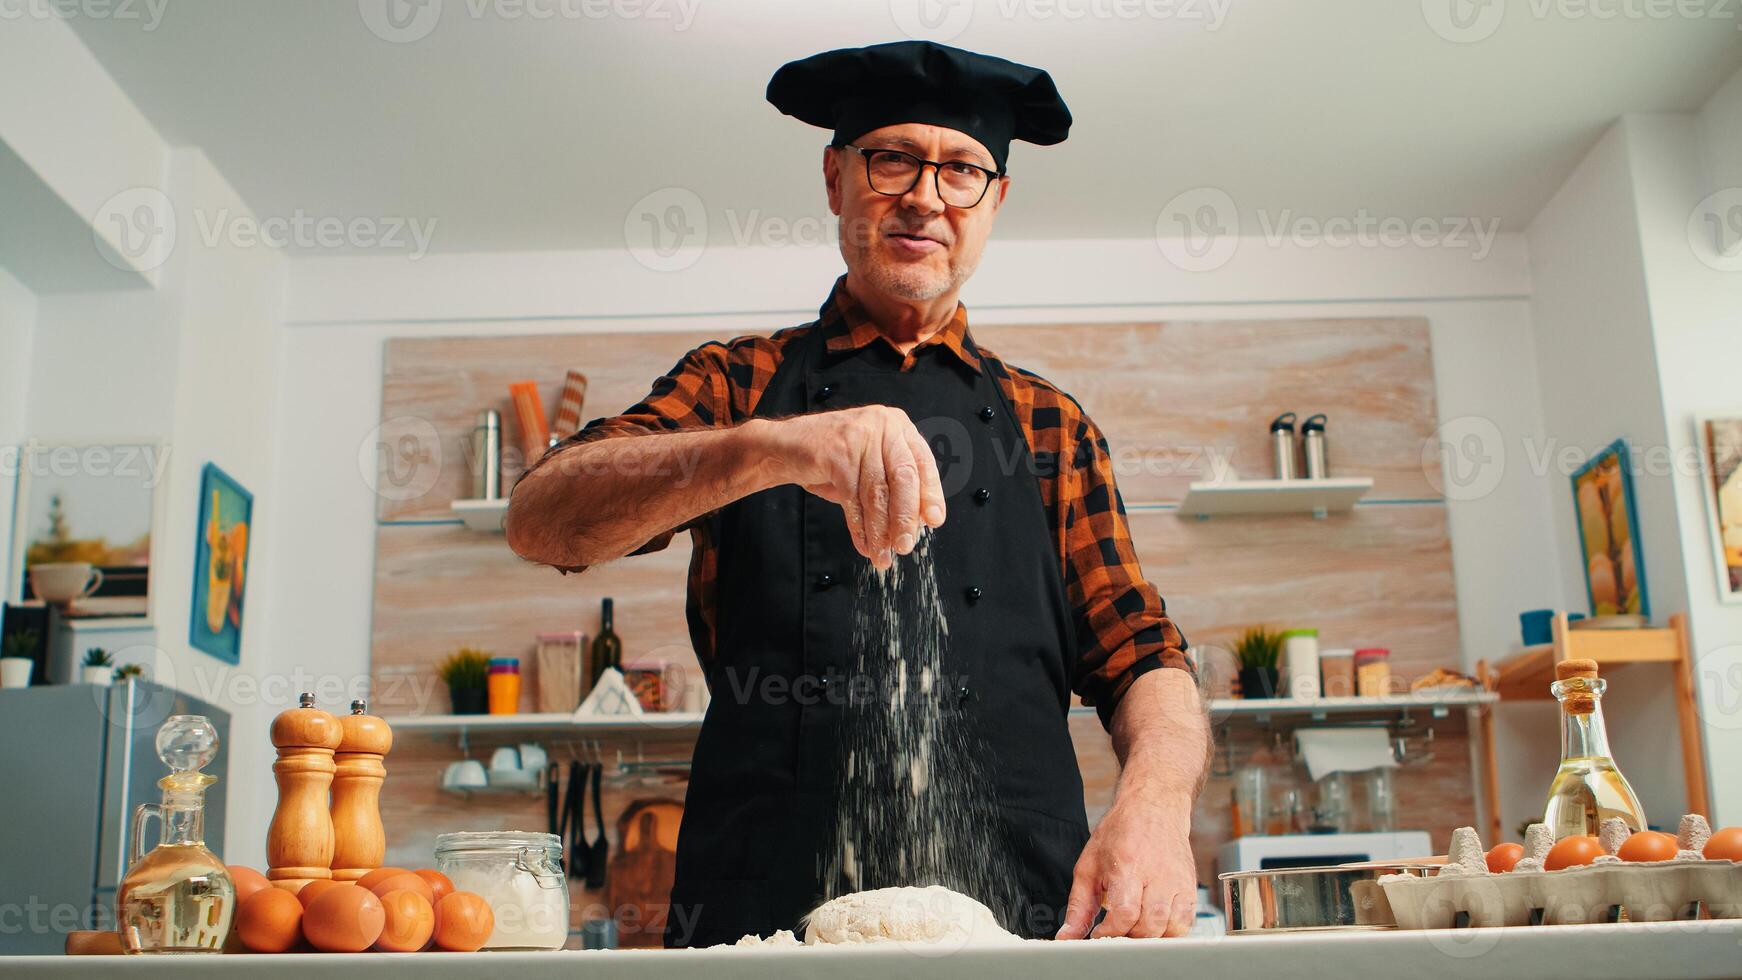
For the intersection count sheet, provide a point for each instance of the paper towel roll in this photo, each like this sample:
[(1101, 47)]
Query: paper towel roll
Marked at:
[(1328, 750)]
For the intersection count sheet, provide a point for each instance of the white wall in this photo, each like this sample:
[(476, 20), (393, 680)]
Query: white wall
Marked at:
[(345, 309), (1597, 375), (17, 330), (1696, 313)]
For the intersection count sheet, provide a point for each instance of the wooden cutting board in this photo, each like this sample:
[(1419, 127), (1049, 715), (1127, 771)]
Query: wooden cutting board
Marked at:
[(638, 886)]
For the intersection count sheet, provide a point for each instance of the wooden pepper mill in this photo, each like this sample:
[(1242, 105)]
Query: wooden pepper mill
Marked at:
[(299, 842), (359, 841)]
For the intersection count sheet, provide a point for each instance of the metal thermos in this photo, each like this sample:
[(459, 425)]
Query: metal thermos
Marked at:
[(487, 456), (1312, 444), (1282, 448)]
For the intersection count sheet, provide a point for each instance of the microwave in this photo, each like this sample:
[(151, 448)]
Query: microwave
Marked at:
[(1265, 853)]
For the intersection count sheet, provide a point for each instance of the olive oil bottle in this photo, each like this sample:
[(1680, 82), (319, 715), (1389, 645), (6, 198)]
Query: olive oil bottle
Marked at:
[(1589, 788)]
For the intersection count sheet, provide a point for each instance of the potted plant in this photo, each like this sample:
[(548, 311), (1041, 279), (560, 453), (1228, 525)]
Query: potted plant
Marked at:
[(97, 667), (18, 658), (128, 673), (466, 674), (1259, 648)]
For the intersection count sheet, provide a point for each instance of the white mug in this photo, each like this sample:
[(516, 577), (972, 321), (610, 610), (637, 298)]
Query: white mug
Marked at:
[(505, 758), (532, 757), (464, 774), (64, 581)]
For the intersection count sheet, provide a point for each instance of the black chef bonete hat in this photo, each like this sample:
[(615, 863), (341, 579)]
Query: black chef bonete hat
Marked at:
[(856, 90)]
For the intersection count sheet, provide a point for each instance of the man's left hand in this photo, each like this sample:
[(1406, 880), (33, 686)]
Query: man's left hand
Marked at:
[(1138, 866)]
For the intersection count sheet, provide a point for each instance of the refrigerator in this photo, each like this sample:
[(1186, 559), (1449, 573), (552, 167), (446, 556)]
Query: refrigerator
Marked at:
[(75, 759)]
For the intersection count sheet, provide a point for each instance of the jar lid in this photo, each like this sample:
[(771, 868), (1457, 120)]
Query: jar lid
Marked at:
[(1299, 632), (1372, 653), (1336, 653), (496, 841)]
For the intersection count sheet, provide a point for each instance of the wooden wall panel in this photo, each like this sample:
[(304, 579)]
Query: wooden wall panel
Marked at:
[(1374, 576), (440, 587), (435, 388), (1171, 397)]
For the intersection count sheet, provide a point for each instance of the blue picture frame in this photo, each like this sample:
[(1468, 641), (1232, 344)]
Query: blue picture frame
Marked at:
[(220, 565), (1595, 483)]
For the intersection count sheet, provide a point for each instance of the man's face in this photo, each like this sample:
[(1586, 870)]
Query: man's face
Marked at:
[(911, 246)]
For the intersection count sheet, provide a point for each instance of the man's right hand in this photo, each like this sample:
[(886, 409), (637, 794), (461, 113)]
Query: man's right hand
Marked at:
[(874, 463)]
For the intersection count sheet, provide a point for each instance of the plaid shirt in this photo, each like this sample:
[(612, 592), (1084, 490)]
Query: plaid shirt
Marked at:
[(1121, 623)]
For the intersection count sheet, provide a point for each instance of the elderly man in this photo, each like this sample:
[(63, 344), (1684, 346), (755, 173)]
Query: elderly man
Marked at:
[(811, 451)]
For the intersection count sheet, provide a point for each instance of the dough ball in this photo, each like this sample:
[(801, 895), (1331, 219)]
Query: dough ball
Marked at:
[(933, 914)]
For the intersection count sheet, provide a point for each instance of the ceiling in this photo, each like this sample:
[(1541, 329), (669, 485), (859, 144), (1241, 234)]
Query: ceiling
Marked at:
[(513, 131)]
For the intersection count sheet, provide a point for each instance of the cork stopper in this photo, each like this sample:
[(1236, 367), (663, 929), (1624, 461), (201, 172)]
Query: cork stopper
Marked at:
[(1575, 680)]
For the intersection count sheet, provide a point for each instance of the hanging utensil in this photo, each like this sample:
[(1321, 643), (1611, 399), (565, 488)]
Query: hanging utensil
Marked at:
[(575, 801), (600, 858)]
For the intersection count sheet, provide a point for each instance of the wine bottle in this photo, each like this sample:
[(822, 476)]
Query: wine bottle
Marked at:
[(607, 649)]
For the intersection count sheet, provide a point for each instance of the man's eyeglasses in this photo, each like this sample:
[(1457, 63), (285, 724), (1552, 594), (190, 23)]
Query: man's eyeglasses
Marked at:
[(893, 173)]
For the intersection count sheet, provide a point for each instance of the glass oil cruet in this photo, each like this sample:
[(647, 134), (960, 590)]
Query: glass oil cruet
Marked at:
[(1588, 789), (178, 898)]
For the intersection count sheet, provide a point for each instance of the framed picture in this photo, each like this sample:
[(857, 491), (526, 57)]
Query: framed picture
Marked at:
[(89, 505), (1603, 503), (220, 565), (1721, 473)]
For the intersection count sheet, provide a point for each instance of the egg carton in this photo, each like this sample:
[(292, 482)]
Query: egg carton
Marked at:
[(1656, 891)]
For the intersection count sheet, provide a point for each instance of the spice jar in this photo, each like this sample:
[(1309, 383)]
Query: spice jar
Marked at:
[(504, 685), (1337, 669), (1373, 672), (520, 875)]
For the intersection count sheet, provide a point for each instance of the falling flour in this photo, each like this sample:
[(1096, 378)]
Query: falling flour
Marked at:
[(917, 806)]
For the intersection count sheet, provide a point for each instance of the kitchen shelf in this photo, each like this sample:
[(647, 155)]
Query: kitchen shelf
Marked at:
[(1439, 703), (481, 515), (654, 721), (1315, 497)]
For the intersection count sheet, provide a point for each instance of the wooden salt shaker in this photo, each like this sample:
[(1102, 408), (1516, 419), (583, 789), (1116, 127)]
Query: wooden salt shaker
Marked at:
[(299, 842), (359, 841)]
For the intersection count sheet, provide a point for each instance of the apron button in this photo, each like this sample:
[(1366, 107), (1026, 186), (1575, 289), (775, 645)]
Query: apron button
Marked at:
[(825, 580), (986, 413), (824, 392), (982, 495), (973, 593), (963, 695)]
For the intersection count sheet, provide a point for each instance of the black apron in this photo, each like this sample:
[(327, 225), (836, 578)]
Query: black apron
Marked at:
[(761, 804)]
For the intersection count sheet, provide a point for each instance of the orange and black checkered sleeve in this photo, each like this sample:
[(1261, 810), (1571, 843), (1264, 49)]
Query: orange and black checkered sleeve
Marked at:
[(1123, 630), (694, 394)]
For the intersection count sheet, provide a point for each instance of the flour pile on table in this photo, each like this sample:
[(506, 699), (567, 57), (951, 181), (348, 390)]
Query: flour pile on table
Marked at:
[(916, 801)]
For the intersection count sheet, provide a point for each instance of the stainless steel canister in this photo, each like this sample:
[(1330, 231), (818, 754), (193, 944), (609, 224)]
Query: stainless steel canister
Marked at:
[(1292, 899), (1312, 444), (487, 456), (1282, 448)]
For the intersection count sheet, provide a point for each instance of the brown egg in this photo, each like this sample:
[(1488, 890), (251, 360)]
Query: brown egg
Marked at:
[(410, 922), (406, 882), (1648, 845), (270, 921), (463, 922), (313, 889), (1504, 857), (1725, 845), (439, 883), (1571, 851), (379, 875), (247, 881), (344, 919)]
